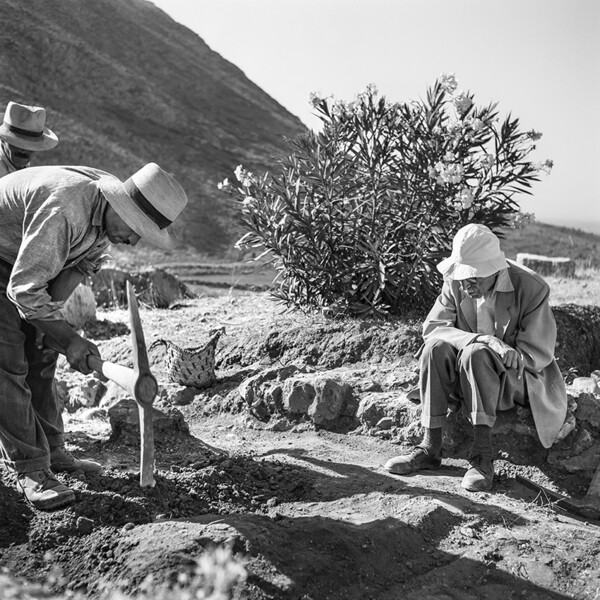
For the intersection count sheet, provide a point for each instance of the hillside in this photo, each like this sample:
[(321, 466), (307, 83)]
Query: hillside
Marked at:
[(124, 85), (550, 240)]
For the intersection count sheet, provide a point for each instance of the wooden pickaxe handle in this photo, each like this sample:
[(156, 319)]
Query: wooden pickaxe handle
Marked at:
[(123, 376), (145, 390)]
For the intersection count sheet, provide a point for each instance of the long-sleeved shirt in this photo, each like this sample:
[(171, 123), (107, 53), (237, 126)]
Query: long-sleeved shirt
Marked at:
[(51, 219)]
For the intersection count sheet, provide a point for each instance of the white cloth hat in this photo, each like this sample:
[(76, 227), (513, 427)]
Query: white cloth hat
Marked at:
[(149, 201), (475, 253), (24, 127)]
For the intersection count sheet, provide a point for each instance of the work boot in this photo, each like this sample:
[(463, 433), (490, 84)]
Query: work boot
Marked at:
[(63, 461), (416, 460), (480, 476), (43, 490)]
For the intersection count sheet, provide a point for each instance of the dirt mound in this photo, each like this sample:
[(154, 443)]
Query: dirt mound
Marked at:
[(84, 539), (325, 344)]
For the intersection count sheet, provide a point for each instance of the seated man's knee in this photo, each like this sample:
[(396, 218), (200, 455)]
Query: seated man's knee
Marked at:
[(475, 353), (437, 349)]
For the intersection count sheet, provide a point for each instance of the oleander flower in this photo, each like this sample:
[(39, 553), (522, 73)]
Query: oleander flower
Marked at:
[(465, 197), (244, 177), (462, 103), (487, 160), (520, 219), (448, 82), (340, 109), (315, 98), (223, 184), (445, 173), (534, 135), (476, 124)]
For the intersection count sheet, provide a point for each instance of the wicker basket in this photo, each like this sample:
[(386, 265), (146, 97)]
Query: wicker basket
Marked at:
[(191, 366)]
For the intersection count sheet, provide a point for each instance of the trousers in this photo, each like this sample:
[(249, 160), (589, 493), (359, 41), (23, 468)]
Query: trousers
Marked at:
[(31, 423), (474, 376)]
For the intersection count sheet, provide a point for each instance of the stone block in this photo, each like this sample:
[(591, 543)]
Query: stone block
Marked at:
[(374, 407), (297, 396), (173, 393), (329, 401), (547, 265), (585, 384), (125, 420)]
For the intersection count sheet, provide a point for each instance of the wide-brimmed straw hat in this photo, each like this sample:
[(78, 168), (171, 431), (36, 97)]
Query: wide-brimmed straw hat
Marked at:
[(475, 253), (149, 201), (24, 127)]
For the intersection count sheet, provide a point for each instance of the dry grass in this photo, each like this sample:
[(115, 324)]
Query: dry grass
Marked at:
[(583, 289)]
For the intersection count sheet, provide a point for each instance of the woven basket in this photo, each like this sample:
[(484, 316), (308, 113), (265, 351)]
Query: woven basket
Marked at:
[(191, 366)]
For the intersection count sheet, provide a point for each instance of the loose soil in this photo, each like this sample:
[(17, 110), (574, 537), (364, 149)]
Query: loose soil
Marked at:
[(311, 514)]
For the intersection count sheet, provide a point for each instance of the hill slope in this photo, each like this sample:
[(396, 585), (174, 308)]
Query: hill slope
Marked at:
[(550, 240), (124, 85)]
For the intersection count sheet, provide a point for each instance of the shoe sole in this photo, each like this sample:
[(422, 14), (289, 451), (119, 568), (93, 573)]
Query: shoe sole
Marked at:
[(416, 470), (471, 488), (474, 489)]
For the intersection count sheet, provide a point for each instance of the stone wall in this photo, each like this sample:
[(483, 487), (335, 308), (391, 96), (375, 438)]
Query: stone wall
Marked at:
[(547, 265)]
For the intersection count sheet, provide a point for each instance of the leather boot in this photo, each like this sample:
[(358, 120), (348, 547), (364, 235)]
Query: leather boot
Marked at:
[(43, 490), (65, 462)]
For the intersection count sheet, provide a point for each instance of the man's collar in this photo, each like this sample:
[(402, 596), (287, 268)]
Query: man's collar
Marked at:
[(504, 282), (99, 210)]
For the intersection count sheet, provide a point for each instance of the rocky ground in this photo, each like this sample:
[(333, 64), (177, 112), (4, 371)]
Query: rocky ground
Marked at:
[(290, 508)]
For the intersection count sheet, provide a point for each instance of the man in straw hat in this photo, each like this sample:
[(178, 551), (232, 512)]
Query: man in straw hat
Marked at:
[(489, 343), (56, 225), (22, 134)]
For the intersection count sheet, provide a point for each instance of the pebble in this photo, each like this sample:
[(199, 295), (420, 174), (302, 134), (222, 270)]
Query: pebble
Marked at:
[(84, 525)]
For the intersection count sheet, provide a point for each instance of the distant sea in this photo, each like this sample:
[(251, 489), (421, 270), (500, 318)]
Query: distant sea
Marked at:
[(589, 226)]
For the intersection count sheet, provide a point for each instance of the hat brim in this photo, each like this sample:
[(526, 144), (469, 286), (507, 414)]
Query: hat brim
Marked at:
[(452, 269), (116, 195), (47, 141)]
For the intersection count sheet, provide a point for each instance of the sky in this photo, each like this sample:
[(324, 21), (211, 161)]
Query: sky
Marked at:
[(539, 59)]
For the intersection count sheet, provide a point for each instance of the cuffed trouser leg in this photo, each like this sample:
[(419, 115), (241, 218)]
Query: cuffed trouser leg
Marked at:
[(41, 382), (437, 381), (486, 385), (22, 439)]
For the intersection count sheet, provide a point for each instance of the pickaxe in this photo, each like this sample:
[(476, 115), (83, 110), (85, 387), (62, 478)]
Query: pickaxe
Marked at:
[(587, 507), (139, 382)]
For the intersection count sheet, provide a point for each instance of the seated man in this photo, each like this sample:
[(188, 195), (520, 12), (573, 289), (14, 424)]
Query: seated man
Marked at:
[(489, 343), (56, 225)]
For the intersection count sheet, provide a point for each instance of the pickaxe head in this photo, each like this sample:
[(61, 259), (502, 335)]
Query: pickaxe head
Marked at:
[(145, 387)]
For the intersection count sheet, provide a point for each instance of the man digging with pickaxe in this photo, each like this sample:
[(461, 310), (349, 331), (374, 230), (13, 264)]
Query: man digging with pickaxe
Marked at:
[(56, 225)]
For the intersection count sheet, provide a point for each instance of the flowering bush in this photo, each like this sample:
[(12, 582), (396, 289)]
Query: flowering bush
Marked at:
[(357, 216)]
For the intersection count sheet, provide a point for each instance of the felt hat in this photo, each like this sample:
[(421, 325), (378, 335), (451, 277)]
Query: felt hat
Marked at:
[(24, 127), (475, 253), (148, 202)]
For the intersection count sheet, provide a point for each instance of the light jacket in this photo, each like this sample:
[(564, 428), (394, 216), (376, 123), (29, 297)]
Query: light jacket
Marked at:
[(525, 322), (51, 219)]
